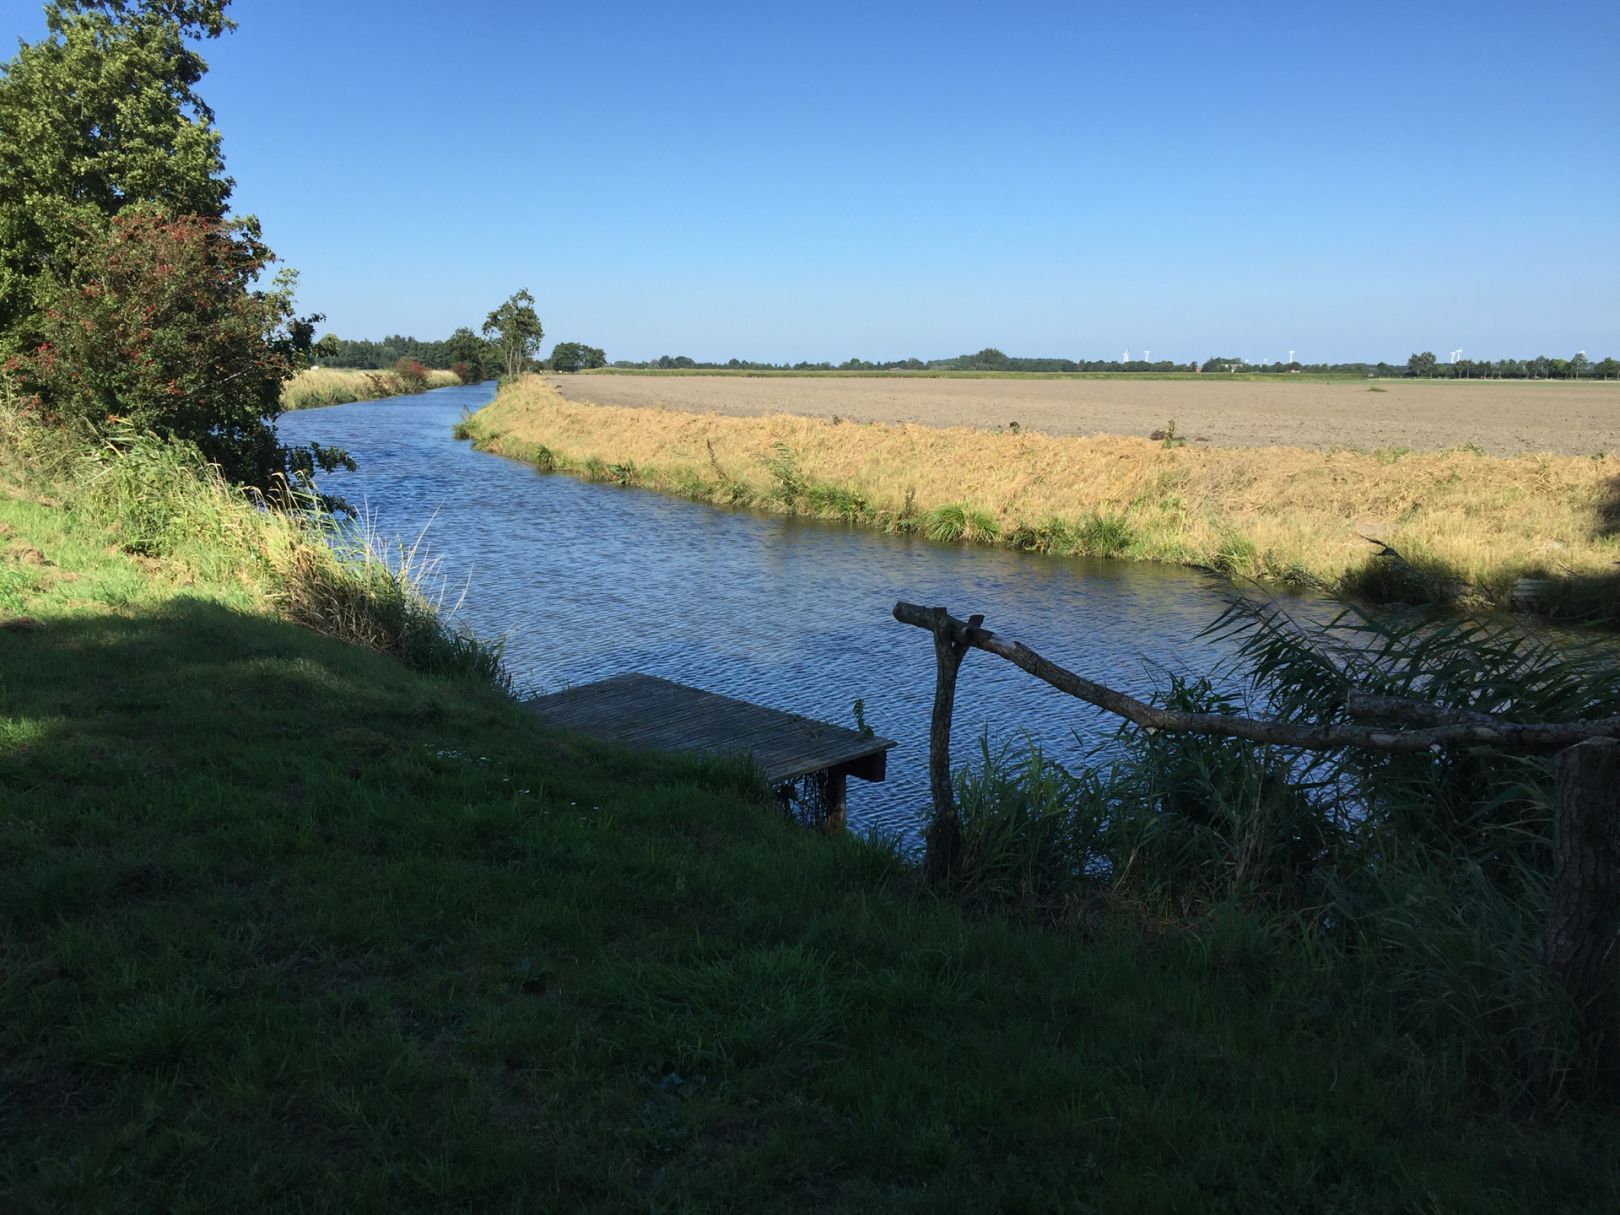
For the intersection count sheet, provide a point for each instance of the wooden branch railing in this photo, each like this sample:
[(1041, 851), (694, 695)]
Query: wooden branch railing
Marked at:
[(1449, 729), (1578, 943)]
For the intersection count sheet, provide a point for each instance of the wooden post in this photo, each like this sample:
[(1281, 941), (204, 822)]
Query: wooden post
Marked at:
[(834, 793), (1585, 914), (944, 835)]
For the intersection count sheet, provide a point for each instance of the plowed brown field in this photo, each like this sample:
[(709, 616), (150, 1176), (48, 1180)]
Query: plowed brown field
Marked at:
[(1499, 417)]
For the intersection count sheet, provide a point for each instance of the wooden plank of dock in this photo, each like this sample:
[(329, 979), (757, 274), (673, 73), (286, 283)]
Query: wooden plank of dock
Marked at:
[(645, 711)]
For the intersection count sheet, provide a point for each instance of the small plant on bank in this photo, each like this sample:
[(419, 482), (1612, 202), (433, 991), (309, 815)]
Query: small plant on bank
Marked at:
[(783, 466), (1168, 436)]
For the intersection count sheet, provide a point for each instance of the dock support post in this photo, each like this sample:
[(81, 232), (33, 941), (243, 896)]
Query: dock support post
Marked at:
[(835, 792)]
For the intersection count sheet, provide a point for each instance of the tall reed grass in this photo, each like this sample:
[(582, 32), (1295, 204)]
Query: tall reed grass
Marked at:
[(1446, 526), (314, 387), (1416, 886)]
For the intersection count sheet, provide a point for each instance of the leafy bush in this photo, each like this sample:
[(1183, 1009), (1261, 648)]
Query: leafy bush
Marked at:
[(412, 373), (157, 327)]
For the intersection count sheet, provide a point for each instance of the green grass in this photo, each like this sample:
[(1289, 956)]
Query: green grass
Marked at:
[(288, 926)]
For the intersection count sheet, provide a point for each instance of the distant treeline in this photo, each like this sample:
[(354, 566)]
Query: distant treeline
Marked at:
[(462, 349), (366, 354), (1425, 365), (469, 349), (1542, 367)]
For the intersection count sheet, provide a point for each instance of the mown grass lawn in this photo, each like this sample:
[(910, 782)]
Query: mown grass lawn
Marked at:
[(284, 925)]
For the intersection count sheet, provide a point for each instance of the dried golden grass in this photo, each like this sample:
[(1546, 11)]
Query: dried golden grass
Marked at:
[(1279, 513), (318, 386)]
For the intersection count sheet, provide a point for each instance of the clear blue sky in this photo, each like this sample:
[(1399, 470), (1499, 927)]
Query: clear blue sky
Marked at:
[(894, 179)]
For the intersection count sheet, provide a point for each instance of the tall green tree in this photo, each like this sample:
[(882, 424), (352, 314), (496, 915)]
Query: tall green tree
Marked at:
[(100, 114), (126, 298), (1421, 364), (478, 355), (515, 329)]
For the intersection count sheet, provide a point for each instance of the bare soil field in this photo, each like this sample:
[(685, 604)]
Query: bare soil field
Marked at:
[(1500, 417)]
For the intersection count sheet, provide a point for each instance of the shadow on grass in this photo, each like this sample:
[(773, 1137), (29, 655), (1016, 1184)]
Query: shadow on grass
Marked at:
[(199, 698), (101, 704), (1609, 509), (1591, 598), (1548, 589)]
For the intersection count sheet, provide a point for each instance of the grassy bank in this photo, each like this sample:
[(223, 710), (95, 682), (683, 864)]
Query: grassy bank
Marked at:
[(1465, 525), (319, 386), (289, 925)]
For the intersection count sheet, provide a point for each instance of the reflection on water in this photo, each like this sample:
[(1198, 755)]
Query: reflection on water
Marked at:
[(587, 580)]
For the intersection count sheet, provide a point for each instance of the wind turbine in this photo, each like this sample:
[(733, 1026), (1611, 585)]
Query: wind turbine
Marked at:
[(1147, 356), (1126, 357), (1290, 357), (1456, 354)]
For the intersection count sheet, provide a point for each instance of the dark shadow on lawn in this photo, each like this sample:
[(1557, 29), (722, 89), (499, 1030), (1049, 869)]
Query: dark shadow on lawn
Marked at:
[(116, 702), (120, 701)]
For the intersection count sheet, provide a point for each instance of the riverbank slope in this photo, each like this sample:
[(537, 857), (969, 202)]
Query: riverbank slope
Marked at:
[(318, 386), (288, 923), (1461, 524)]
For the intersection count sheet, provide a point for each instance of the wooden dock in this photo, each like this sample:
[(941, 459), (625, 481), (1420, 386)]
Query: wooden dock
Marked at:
[(645, 711)]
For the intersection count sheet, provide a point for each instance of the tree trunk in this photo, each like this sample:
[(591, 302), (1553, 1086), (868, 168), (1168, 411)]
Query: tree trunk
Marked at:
[(1578, 947)]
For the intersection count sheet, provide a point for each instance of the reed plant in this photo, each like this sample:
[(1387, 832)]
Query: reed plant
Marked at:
[(1392, 525), (1419, 883), (319, 386)]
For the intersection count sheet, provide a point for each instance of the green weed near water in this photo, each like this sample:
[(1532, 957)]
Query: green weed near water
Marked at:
[(959, 522), (1102, 535)]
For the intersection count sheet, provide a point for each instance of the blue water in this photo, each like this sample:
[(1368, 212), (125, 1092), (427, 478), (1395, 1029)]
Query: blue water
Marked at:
[(589, 580)]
